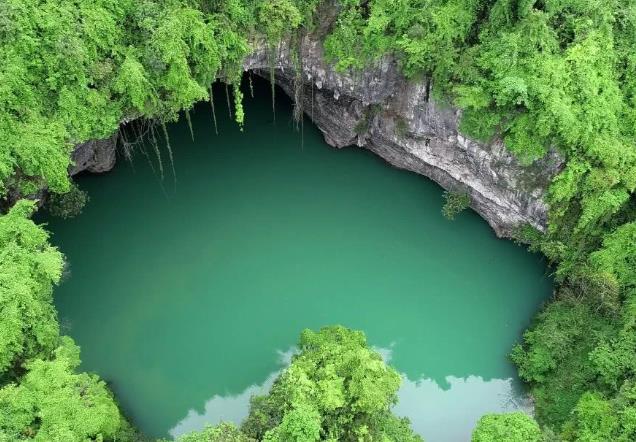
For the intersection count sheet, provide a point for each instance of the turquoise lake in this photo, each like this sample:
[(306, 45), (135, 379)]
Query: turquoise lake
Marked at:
[(187, 295)]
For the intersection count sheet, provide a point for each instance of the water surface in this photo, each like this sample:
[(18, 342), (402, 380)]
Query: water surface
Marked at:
[(188, 296)]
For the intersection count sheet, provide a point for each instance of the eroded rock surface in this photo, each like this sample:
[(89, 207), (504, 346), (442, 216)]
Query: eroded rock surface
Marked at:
[(397, 119), (380, 110), (96, 156)]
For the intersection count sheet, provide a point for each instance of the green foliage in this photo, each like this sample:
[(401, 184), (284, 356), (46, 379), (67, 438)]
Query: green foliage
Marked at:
[(554, 357), (42, 398), (29, 267), (581, 348), (596, 418), (614, 358), (72, 71), (539, 75), (346, 45), (551, 74), (455, 203), (336, 388), (542, 75), (510, 427), (52, 403), (224, 432), (617, 256), (69, 204), (276, 18), (599, 289), (239, 115), (425, 34)]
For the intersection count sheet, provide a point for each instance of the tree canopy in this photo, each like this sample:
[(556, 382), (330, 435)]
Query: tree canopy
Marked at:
[(336, 388), (29, 267), (511, 427), (52, 403), (41, 396)]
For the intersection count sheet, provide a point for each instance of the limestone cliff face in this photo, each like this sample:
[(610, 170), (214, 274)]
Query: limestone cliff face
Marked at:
[(380, 110), (397, 119), (94, 156)]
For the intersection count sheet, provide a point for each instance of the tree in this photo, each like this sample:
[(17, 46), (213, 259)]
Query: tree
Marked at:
[(597, 418), (224, 432), (539, 75), (507, 427), (336, 388), (52, 403), (29, 266), (72, 71), (277, 18), (69, 204)]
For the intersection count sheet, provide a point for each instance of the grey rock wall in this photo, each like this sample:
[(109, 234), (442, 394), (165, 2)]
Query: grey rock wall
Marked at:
[(96, 156), (381, 111)]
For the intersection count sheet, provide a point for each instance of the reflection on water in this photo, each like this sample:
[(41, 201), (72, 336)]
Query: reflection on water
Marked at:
[(445, 412), (230, 408), (449, 414)]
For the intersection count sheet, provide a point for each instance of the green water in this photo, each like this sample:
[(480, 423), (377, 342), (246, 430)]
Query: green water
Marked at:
[(188, 298)]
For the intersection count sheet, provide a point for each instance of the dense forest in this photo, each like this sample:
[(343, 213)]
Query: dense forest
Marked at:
[(542, 75)]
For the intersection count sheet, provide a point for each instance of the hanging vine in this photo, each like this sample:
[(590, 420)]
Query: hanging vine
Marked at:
[(227, 100), (165, 135), (239, 113), (272, 79), (189, 120), (216, 128), (251, 85), (155, 146)]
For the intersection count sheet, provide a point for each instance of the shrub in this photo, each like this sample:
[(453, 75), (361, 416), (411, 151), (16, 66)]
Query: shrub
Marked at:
[(456, 201), (69, 204)]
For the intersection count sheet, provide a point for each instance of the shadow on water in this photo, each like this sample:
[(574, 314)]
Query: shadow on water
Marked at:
[(189, 294)]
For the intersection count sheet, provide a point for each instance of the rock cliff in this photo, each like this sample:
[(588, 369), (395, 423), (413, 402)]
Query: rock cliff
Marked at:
[(397, 119)]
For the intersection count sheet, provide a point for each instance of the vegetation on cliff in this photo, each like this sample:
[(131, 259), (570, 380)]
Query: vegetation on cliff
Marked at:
[(540, 74), (543, 75), (72, 71)]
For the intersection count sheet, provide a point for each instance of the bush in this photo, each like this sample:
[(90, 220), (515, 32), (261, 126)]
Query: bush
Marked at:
[(68, 205), (456, 201), (510, 427)]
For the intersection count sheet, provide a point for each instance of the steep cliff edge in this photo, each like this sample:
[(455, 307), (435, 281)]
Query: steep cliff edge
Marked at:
[(380, 110), (397, 119)]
